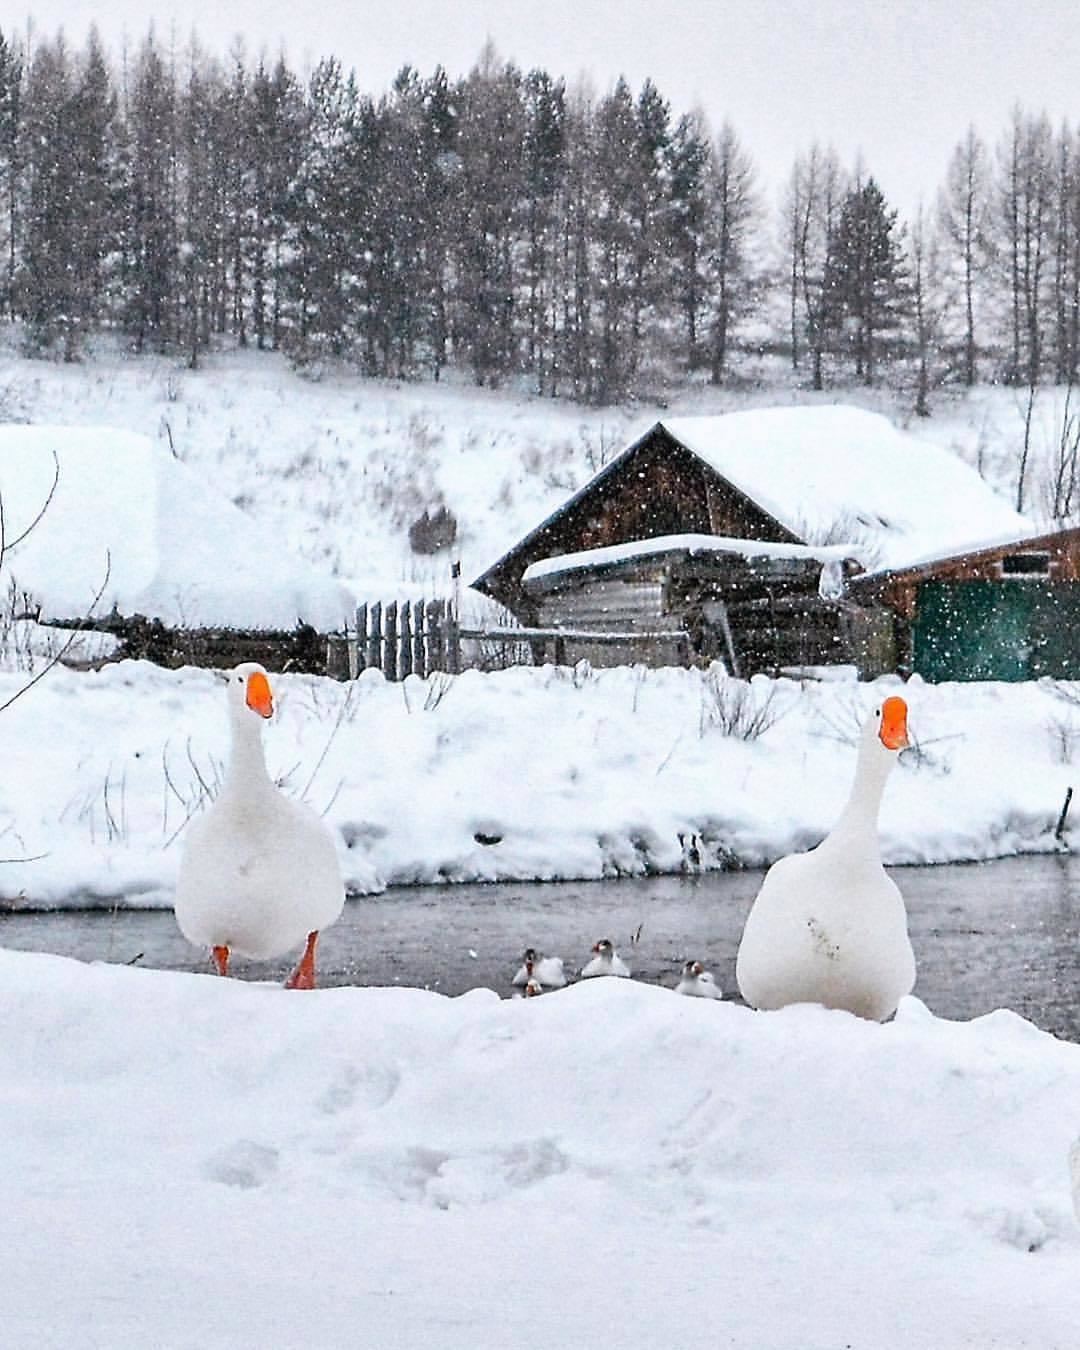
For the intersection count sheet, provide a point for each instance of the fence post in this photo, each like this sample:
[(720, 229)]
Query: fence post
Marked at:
[(390, 659), (436, 650), (406, 639), (361, 638), (453, 643), (419, 664), (374, 640)]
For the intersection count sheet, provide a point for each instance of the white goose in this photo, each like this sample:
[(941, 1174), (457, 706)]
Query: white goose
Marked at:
[(260, 873), (607, 961), (829, 926), (697, 982), (546, 971)]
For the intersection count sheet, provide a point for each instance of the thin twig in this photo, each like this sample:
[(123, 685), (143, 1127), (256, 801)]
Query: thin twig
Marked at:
[(75, 633)]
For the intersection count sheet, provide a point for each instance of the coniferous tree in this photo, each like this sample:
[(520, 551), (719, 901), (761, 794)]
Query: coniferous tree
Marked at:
[(323, 282), (735, 210), (864, 277), (150, 229), (97, 187), (490, 139), (543, 166), (690, 170), (614, 229), (276, 120), (11, 81), (46, 280)]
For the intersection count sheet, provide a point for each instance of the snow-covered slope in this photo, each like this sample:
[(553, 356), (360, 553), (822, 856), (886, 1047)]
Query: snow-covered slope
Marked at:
[(191, 1161)]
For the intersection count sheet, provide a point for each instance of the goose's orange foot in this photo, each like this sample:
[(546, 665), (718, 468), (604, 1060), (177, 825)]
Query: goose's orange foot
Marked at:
[(221, 959), (303, 977)]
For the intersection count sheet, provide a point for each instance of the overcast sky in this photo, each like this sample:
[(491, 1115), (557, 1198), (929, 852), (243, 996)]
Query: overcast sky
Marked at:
[(898, 81)]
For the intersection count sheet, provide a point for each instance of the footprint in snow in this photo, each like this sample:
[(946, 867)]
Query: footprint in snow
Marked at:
[(245, 1164)]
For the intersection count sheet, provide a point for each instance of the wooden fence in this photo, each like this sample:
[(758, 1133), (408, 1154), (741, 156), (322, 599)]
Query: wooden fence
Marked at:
[(416, 637)]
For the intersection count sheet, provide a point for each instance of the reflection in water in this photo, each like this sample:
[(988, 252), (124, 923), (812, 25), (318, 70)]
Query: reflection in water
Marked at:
[(986, 935)]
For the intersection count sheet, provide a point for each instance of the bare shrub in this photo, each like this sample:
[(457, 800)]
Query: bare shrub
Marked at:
[(434, 530), (1064, 735), (736, 707)]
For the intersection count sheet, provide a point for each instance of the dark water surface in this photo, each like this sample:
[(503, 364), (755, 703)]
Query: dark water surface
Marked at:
[(986, 935)]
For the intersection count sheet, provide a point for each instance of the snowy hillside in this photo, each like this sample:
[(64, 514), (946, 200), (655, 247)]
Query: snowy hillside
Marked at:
[(192, 1161), (338, 470)]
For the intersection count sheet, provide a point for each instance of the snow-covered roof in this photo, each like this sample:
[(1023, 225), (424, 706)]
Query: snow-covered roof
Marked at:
[(676, 543), (174, 548), (842, 473)]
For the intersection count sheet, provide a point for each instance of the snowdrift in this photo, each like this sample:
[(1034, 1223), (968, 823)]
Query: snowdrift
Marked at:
[(187, 1160)]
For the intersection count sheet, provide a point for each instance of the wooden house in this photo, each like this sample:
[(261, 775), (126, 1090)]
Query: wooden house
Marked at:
[(786, 537)]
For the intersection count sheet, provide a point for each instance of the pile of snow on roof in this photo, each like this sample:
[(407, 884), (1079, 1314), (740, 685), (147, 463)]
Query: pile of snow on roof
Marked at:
[(842, 475)]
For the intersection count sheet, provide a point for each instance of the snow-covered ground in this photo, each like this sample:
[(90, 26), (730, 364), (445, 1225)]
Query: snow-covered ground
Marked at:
[(529, 773), (188, 1161)]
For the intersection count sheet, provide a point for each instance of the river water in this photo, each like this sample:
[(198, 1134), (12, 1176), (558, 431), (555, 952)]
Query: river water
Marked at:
[(986, 935)]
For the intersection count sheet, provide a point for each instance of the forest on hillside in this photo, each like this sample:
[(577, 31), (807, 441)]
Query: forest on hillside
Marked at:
[(509, 226)]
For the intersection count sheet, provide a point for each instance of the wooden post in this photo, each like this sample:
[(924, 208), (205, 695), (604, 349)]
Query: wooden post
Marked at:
[(361, 638), (453, 643), (406, 665), (374, 639), (390, 656), (436, 649), (419, 660)]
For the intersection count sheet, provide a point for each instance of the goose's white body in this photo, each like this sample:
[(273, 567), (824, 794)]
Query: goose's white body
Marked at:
[(547, 971), (259, 871), (829, 926), (698, 984), (605, 962)]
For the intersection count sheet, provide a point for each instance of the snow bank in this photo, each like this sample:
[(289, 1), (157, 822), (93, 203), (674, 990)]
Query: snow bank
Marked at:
[(530, 773), (128, 516), (186, 1160)]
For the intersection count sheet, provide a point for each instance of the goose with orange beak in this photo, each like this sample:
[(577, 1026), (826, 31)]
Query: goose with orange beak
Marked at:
[(259, 874), (829, 926)]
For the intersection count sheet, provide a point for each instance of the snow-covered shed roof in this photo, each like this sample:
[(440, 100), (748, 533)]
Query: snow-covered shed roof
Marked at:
[(843, 474), (680, 543), (173, 548)]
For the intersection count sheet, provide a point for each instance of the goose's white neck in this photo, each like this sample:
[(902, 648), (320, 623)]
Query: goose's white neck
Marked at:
[(247, 762), (857, 828)]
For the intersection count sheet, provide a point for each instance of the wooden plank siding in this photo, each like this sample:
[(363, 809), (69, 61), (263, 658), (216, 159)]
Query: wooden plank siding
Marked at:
[(657, 488)]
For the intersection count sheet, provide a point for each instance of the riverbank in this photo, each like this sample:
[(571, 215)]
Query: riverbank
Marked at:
[(525, 774)]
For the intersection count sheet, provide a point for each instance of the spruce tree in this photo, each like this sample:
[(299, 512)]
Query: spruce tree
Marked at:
[(864, 278)]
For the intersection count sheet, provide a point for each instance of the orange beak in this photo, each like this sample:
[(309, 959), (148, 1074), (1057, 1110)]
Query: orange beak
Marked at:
[(259, 697), (893, 731)]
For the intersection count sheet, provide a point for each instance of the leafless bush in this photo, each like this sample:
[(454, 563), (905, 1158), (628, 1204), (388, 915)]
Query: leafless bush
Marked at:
[(844, 722), (1064, 735), (736, 707), (433, 530)]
